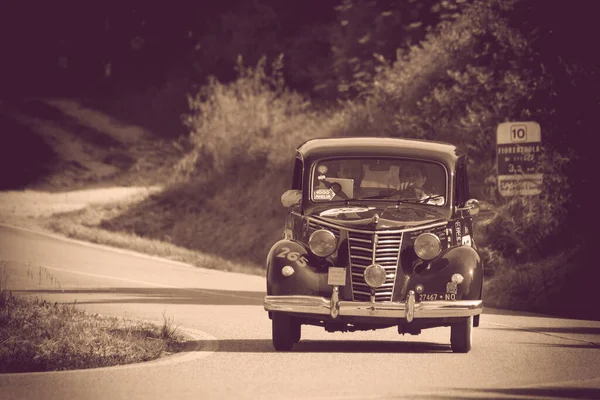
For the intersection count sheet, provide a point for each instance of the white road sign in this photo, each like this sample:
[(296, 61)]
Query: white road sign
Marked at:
[(518, 157)]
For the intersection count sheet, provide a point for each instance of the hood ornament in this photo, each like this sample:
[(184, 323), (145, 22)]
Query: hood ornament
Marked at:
[(375, 218)]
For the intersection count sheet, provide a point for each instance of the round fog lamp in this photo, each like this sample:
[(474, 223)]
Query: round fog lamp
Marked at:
[(375, 275), (322, 243), (427, 246)]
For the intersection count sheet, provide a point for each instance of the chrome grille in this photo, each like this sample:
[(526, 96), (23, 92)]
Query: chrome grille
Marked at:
[(368, 248), (314, 225)]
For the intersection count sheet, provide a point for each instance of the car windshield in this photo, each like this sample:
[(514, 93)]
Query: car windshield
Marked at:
[(367, 179)]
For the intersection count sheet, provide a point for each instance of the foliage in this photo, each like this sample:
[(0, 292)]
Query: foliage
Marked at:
[(526, 228), (254, 119), (468, 75), (367, 32)]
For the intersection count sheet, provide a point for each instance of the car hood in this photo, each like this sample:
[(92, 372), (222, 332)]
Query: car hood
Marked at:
[(381, 217)]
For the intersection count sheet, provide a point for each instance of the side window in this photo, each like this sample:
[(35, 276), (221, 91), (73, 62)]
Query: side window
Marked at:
[(297, 175)]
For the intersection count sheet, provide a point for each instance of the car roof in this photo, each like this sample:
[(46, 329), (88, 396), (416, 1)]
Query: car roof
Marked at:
[(315, 149)]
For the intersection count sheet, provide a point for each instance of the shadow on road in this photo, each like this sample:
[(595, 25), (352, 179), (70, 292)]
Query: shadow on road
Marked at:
[(149, 296), (523, 313), (587, 330), (328, 346), (583, 345), (591, 342), (539, 392)]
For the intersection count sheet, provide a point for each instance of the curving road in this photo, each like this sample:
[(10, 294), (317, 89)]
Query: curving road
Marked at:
[(514, 355)]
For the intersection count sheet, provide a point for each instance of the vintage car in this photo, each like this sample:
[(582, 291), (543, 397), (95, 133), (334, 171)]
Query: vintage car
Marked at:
[(379, 234)]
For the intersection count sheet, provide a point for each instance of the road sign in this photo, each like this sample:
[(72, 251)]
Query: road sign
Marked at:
[(518, 157)]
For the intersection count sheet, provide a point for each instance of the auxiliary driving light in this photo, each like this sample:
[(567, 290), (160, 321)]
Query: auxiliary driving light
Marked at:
[(375, 275), (287, 271), (427, 246), (322, 243)]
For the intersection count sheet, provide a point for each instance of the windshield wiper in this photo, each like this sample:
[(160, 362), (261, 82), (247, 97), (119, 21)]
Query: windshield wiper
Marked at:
[(432, 197)]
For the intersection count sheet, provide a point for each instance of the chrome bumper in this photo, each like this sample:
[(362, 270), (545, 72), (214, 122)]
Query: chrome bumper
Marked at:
[(408, 310)]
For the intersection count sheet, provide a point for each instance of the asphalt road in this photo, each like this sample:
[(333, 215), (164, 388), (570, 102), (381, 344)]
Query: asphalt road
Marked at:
[(513, 355)]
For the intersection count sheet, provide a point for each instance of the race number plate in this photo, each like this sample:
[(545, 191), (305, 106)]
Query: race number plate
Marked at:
[(436, 296), (336, 276)]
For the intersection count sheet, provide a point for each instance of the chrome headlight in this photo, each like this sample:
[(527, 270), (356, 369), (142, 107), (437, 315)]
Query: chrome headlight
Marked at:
[(427, 246), (322, 243)]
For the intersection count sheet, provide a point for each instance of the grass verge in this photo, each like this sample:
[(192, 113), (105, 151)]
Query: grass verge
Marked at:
[(84, 225), (37, 336)]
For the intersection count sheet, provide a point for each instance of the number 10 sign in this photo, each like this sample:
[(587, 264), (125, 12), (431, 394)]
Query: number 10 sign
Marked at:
[(518, 157)]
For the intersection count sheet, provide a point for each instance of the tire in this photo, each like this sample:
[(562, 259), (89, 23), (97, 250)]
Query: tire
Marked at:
[(285, 331), (461, 336), (296, 331)]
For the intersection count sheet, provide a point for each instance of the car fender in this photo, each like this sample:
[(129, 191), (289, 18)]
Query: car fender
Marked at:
[(309, 277), (462, 260)]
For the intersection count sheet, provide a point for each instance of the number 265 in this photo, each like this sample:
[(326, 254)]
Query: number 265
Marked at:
[(293, 256)]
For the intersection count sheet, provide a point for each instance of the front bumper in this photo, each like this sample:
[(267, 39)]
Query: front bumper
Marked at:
[(408, 310)]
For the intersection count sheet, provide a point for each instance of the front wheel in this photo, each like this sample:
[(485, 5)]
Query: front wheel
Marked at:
[(286, 332), (461, 335)]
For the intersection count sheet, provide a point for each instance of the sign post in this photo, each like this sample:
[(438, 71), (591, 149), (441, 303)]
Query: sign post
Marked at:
[(518, 156)]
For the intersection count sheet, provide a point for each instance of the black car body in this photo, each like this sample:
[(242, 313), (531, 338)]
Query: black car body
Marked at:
[(363, 250)]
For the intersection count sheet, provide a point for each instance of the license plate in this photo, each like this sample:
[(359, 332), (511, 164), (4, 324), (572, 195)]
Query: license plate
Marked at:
[(336, 276), (436, 296)]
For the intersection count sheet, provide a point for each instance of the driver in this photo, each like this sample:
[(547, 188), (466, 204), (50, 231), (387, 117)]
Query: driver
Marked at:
[(413, 178)]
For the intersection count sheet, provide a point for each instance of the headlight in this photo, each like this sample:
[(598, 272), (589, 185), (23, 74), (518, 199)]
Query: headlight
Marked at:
[(427, 246), (322, 243)]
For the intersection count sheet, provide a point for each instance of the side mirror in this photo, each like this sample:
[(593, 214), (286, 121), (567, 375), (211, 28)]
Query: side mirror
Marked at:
[(291, 198), (473, 206)]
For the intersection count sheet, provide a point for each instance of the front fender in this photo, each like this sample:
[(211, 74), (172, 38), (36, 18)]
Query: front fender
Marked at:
[(309, 277), (463, 260)]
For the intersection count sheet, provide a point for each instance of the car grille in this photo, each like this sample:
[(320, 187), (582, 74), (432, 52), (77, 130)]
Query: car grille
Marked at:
[(368, 248), (314, 225)]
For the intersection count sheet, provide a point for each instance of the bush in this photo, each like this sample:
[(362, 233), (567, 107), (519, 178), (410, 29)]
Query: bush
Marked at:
[(253, 119), (523, 227)]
